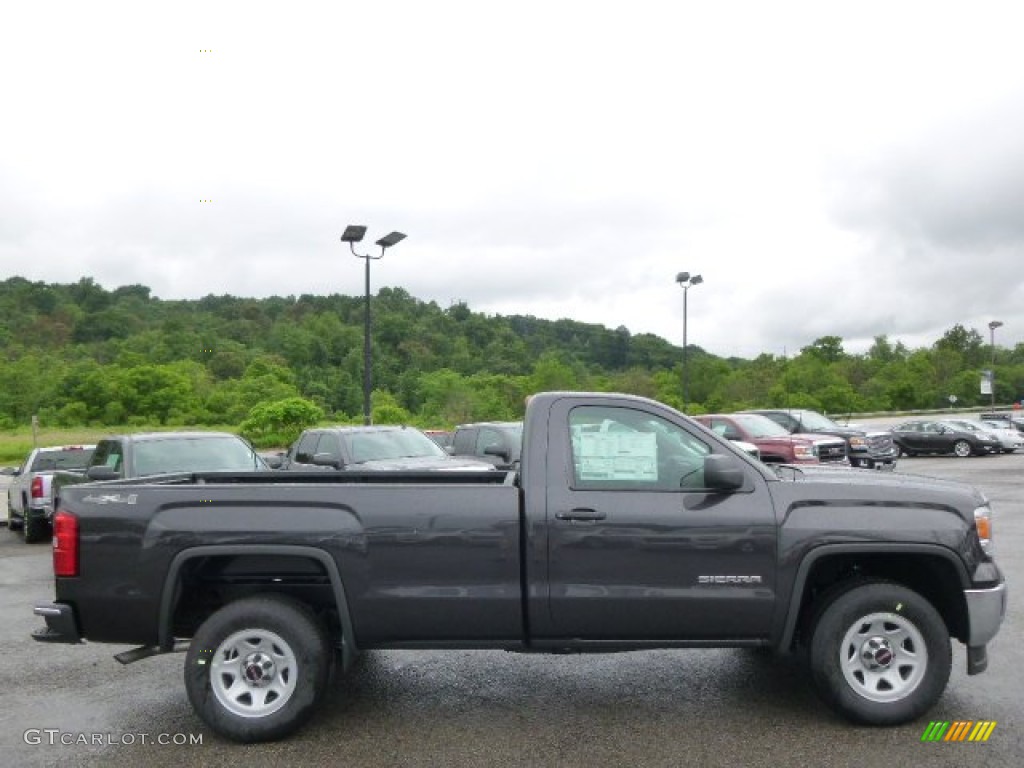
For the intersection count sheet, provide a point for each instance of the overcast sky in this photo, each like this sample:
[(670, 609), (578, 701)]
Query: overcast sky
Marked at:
[(848, 169)]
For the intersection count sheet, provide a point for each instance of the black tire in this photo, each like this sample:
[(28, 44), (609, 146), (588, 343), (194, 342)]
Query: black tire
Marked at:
[(34, 528), (962, 449), (880, 654), (257, 668)]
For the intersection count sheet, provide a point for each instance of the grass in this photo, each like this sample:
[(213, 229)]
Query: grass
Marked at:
[(15, 445)]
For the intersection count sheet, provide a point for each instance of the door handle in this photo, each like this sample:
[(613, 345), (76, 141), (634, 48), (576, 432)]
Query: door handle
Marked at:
[(581, 513)]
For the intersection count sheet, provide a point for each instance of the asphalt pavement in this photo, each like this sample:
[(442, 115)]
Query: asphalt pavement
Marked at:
[(483, 708)]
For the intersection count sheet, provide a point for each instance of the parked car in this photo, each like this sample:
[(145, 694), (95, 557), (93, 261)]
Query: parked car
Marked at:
[(915, 437), (871, 449), (372, 448), (1009, 438), (776, 444), (1013, 419), (30, 494), (160, 453), (497, 442)]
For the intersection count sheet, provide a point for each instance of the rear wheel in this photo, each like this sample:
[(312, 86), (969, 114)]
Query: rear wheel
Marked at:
[(880, 654), (257, 668), (962, 449)]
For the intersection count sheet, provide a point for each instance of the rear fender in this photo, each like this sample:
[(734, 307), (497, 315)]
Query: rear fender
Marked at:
[(349, 649)]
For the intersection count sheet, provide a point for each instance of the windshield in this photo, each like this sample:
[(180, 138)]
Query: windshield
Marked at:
[(391, 444), (760, 426), (195, 454), (815, 422), (63, 458), (963, 424)]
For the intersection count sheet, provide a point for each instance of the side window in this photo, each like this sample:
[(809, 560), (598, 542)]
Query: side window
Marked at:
[(463, 443), (624, 448), (108, 454), (329, 444), (306, 448), (486, 438), (725, 429)]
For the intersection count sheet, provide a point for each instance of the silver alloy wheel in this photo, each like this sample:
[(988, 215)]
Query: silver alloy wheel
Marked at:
[(883, 657), (962, 448), (253, 673)]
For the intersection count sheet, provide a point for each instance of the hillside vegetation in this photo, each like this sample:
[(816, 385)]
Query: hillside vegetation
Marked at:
[(81, 355)]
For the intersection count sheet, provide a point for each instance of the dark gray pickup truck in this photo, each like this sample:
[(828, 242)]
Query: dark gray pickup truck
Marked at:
[(628, 526)]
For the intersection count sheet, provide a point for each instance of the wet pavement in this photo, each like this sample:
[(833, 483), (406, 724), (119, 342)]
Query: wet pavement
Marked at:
[(481, 708)]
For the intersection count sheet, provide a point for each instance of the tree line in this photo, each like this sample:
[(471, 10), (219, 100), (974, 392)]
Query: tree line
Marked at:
[(79, 354)]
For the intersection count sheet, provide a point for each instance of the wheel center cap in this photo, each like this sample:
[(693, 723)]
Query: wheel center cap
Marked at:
[(258, 669), (877, 653)]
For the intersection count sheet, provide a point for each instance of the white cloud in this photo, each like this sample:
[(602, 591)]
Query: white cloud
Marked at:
[(845, 170)]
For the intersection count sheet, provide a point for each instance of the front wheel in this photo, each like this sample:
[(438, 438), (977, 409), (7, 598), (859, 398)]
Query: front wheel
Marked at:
[(257, 668), (962, 449), (880, 654)]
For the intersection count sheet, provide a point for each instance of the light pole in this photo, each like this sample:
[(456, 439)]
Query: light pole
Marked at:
[(352, 235), (686, 281), (992, 379)]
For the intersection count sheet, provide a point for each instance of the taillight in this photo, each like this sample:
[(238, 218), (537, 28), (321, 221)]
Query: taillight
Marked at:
[(37, 487), (65, 544)]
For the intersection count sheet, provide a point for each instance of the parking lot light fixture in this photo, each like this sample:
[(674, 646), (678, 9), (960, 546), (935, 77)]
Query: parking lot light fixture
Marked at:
[(686, 281), (992, 379), (354, 233)]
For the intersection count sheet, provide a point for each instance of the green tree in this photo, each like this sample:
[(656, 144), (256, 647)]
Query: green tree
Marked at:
[(278, 423)]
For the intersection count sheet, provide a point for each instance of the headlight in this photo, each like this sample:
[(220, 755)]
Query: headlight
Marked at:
[(983, 525), (860, 442), (805, 451)]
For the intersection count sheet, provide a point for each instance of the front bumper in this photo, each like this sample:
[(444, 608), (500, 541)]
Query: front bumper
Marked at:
[(985, 611), (61, 626)]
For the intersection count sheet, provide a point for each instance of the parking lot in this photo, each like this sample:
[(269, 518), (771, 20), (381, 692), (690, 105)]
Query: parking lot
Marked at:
[(463, 708)]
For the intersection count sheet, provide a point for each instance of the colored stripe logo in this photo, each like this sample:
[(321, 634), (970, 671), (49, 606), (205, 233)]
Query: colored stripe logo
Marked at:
[(959, 730)]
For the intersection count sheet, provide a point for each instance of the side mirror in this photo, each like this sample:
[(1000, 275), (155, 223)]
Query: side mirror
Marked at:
[(497, 450), (102, 472), (274, 462), (10, 471), (722, 473), (326, 460)]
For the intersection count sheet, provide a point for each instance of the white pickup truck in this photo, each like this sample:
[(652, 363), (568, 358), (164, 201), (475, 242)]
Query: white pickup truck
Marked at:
[(29, 497)]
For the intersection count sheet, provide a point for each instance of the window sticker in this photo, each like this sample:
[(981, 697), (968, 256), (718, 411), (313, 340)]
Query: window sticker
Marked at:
[(630, 456)]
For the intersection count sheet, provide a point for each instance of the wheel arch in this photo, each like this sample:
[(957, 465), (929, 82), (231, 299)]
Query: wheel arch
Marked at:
[(933, 571), (195, 557)]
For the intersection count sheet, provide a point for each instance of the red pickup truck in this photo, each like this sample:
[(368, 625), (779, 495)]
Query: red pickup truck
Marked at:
[(776, 444)]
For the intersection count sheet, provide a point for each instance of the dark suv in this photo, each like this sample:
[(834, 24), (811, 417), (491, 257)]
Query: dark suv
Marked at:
[(874, 450)]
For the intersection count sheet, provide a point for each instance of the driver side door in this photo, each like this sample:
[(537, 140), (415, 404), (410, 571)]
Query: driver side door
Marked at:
[(638, 548)]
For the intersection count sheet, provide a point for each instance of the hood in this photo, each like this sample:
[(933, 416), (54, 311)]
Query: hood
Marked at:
[(441, 463), (819, 438), (844, 432), (890, 485)]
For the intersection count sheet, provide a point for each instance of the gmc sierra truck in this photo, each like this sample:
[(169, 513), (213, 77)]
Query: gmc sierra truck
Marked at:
[(627, 526)]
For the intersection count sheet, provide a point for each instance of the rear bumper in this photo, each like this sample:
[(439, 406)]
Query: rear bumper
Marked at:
[(61, 626)]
